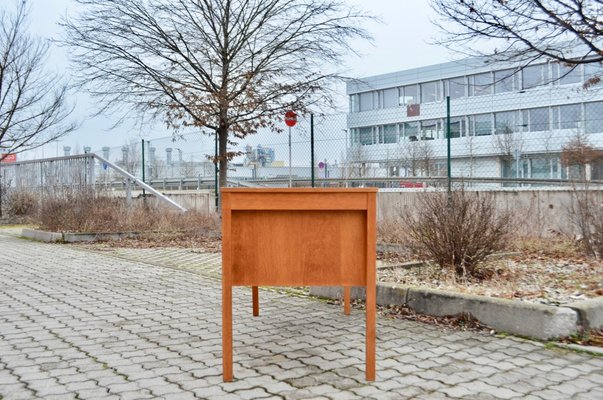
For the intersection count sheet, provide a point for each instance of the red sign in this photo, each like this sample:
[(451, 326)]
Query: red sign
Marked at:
[(413, 110), (8, 157), (290, 118), (412, 185)]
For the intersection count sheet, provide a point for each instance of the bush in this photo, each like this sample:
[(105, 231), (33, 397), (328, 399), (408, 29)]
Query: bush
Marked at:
[(20, 204), (586, 208), (459, 232), (586, 213), (80, 212), (91, 212)]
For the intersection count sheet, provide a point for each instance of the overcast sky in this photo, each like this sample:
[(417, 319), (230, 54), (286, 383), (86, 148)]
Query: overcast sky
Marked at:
[(401, 41)]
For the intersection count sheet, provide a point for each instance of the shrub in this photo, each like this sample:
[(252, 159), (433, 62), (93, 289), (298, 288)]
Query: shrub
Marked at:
[(586, 214), (21, 203), (586, 208), (91, 212), (79, 212), (458, 232)]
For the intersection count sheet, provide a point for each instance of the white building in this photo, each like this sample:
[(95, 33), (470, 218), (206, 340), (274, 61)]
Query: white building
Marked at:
[(505, 121)]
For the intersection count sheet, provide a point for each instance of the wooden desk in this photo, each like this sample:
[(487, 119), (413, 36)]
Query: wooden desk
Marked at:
[(298, 237)]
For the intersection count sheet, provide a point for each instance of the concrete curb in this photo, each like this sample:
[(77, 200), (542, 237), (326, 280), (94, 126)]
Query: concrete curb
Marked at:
[(590, 312), (71, 237), (42, 236), (519, 318)]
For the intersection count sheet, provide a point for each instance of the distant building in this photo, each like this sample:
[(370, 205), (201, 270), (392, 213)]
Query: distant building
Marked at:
[(259, 156), (505, 121)]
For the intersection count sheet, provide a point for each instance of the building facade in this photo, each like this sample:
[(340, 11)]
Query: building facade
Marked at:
[(505, 121)]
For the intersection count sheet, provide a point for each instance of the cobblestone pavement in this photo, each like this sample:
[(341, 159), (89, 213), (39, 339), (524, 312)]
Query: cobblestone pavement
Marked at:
[(81, 324)]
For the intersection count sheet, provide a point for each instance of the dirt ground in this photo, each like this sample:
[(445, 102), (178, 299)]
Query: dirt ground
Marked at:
[(526, 277)]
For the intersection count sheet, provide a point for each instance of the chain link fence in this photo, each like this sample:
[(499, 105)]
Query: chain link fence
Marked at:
[(508, 127), (531, 127)]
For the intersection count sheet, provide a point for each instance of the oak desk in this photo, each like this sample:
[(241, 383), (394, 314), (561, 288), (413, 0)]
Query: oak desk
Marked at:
[(298, 237)]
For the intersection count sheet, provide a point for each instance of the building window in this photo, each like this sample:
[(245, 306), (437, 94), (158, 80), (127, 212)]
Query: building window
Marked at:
[(593, 117), (593, 74), (543, 167), (480, 84), (431, 92), (540, 168), (507, 122), (480, 125), (378, 99), (457, 127), (509, 168), (409, 95), (354, 137), (366, 136), (534, 75), (565, 74), (390, 133), (456, 87), (567, 117), (354, 103), (367, 102), (409, 130), (431, 129), (538, 119), (505, 81), (390, 98)]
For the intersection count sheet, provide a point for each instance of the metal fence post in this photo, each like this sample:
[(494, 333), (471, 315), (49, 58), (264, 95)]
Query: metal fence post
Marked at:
[(312, 147), (143, 168), (448, 160)]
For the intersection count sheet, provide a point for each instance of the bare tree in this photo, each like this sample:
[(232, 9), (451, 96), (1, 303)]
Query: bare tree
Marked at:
[(33, 102), (131, 156), (570, 32), (158, 168), (356, 160), (418, 158), (585, 210), (188, 169), (232, 66), (580, 155), (509, 145)]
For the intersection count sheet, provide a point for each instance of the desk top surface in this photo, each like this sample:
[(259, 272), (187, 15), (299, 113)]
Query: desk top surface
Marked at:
[(299, 190)]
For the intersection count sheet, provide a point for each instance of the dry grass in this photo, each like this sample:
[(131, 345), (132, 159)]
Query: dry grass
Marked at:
[(546, 271), (88, 212), (20, 204), (393, 231)]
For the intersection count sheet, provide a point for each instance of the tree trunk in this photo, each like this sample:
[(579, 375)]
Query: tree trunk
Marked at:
[(222, 149)]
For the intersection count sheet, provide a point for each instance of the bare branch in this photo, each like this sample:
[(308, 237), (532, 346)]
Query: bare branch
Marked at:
[(568, 31), (33, 102), (233, 66)]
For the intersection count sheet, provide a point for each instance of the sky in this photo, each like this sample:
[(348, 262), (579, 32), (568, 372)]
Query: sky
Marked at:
[(401, 40)]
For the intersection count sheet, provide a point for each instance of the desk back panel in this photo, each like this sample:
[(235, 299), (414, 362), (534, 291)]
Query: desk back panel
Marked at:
[(299, 247)]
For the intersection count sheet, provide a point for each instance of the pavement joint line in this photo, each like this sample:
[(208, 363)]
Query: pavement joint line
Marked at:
[(85, 299), (201, 271), (94, 358)]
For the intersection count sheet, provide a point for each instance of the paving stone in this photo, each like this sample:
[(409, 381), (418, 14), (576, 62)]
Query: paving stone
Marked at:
[(110, 325), (123, 387)]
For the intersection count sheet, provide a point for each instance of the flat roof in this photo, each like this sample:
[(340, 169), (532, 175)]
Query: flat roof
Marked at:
[(451, 69)]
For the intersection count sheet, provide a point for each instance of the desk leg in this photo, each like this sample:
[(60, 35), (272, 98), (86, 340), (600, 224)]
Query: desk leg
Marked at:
[(256, 301), (227, 333), (346, 300), (371, 330)]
